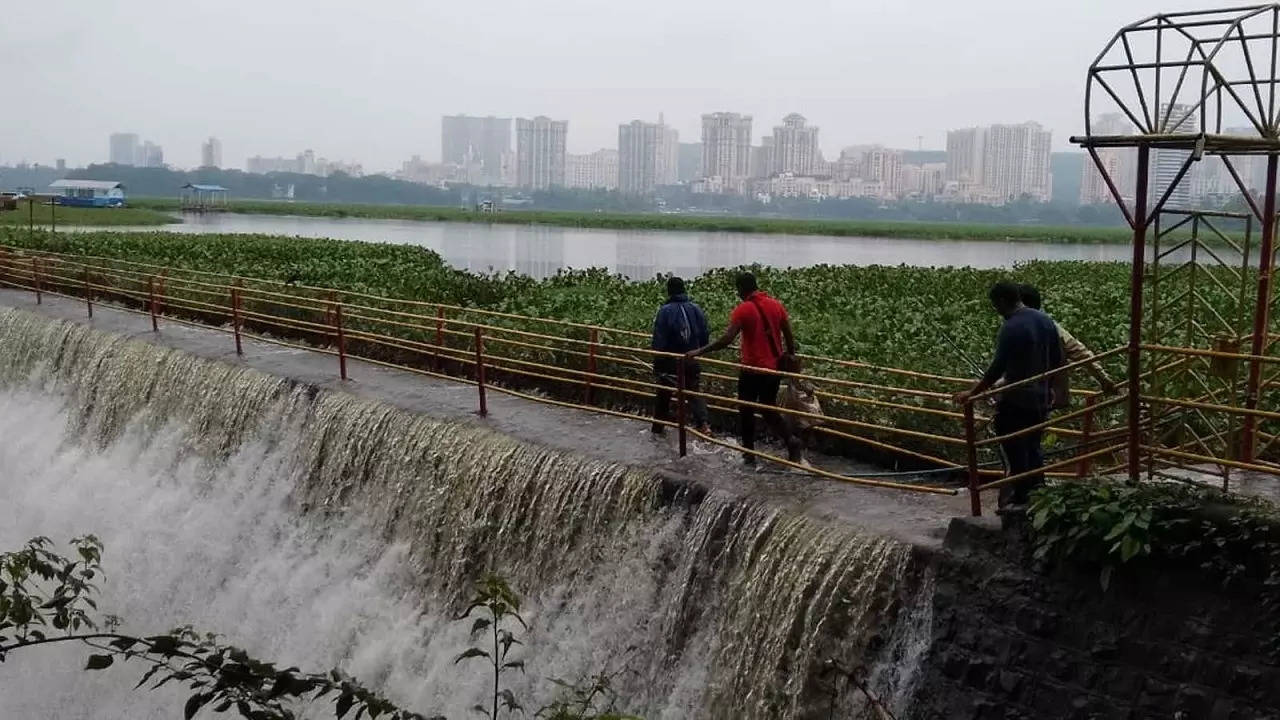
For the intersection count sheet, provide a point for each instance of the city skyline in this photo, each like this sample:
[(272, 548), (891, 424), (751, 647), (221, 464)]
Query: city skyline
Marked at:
[(976, 64)]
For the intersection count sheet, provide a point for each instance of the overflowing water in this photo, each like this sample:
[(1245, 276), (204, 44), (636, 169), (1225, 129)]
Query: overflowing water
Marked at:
[(320, 529)]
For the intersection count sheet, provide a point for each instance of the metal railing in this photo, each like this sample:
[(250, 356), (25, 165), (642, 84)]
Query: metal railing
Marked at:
[(903, 416)]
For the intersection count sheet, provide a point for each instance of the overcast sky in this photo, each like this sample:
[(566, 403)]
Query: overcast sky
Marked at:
[(368, 80)]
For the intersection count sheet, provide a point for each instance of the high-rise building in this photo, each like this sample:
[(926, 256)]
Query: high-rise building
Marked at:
[(648, 156), (540, 152), (690, 162), (965, 150), (795, 146), (150, 155), (761, 164), (1015, 162), (476, 143), (1120, 163), (594, 171), (60, 164), (726, 149), (211, 153), (124, 148), (1166, 163)]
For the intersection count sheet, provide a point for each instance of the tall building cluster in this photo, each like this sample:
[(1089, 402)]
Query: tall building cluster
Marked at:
[(129, 149), (211, 153), (1000, 163), (479, 146), (304, 163), (995, 164)]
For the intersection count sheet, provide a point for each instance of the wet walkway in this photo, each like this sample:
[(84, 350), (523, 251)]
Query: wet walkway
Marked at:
[(918, 518)]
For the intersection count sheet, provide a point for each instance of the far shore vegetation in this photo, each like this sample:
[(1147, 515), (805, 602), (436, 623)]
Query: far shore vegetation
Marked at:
[(674, 222)]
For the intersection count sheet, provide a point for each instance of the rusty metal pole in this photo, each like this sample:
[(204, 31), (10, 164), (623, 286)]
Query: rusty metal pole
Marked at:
[(88, 293), (1258, 347), (1086, 434), (439, 336), (680, 410), (591, 363), (1136, 276), (342, 340), (35, 278), (235, 320), (971, 451), (151, 302), (484, 407)]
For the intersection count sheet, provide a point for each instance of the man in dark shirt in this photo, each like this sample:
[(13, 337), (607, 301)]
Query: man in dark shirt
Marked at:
[(679, 327), (1028, 345)]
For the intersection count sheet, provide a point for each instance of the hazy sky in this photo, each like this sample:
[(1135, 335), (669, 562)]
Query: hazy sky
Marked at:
[(368, 81)]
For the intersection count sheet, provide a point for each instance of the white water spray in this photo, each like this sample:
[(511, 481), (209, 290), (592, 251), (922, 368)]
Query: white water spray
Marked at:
[(319, 529)]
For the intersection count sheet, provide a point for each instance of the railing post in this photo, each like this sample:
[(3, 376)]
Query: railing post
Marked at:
[(235, 323), (680, 411), (35, 278), (971, 450), (88, 293), (1086, 434), (591, 363), (151, 302), (439, 336), (342, 340), (484, 408)]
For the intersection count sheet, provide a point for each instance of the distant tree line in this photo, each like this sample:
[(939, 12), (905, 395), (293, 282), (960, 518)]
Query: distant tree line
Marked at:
[(380, 189)]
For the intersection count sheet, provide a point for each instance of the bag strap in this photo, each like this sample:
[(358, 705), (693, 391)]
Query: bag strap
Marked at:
[(768, 330)]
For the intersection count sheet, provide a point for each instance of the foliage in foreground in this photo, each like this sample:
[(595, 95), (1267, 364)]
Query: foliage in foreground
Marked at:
[(46, 598), (1107, 526)]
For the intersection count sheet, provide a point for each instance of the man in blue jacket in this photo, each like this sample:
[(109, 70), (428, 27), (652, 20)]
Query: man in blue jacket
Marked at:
[(1028, 346), (680, 326)]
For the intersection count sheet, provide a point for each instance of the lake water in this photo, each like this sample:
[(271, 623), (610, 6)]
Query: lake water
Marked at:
[(540, 251)]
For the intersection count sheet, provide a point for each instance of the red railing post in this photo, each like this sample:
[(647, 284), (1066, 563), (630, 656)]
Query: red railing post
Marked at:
[(35, 278), (439, 337), (591, 363), (680, 411), (484, 408), (235, 320), (1086, 434), (151, 302), (88, 293), (342, 340), (971, 450)]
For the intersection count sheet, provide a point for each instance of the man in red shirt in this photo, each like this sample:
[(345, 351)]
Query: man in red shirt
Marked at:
[(764, 326)]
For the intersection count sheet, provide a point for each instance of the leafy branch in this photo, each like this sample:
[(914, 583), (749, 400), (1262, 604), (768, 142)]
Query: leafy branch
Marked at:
[(496, 603), (45, 598)]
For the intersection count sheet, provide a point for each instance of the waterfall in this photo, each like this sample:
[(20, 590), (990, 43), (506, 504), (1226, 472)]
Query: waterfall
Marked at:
[(319, 528)]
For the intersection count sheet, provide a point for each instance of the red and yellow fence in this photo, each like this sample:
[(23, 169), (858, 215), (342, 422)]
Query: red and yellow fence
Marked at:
[(898, 417)]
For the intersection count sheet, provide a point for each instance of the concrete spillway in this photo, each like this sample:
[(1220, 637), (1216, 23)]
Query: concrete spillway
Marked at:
[(324, 527)]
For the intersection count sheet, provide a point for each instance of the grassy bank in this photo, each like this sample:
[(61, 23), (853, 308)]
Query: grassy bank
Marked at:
[(68, 216), (690, 223)]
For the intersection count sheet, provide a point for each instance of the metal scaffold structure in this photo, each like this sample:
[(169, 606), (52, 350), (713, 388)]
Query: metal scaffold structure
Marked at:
[(1180, 115)]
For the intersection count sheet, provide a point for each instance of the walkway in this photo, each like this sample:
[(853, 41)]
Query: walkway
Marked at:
[(917, 518)]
